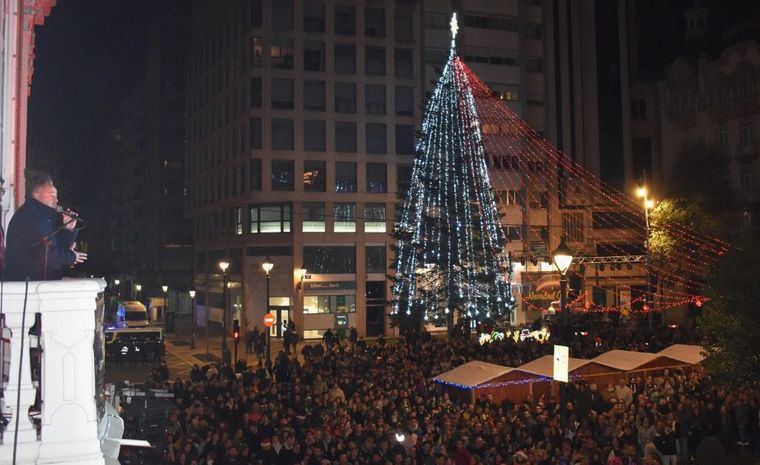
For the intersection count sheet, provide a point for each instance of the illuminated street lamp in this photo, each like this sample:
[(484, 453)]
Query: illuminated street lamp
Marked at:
[(118, 290), (165, 288), (643, 193), (192, 327), (563, 258), (223, 265), (267, 265)]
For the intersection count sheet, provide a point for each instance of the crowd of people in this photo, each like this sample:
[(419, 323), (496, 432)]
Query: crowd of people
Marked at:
[(356, 403)]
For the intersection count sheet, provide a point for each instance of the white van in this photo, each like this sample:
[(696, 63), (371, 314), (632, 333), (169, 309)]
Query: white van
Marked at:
[(132, 314)]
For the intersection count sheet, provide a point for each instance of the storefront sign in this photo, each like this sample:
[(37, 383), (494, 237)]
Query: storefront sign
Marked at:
[(539, 290), (330, 285)]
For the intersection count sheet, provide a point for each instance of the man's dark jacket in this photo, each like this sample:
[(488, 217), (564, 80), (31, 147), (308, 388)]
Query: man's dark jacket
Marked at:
[(25, 246)]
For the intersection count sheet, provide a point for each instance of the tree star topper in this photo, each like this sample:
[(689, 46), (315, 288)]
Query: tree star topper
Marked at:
[(454, 27)]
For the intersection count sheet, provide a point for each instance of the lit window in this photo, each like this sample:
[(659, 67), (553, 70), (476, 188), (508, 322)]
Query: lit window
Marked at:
[(345, 217), (313, 217), (374, 218), (270, 218)]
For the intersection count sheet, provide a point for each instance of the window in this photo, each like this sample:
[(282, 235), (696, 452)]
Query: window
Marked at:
[(375, 138), (314, 136), (282, 175), (314, 176), (329, 303), (404, 139), (254, 174), (257, 52), (638, 108), (238, 221), (345, 59), (510, 95), (281, 52), (255, 89), (345, 97), (642, 156), (374, 99), (538, 199), (282, 94), (721, 139), (282, 134), (513, 232), (254, 136), (374, 218), (313, 55), (314, 95), (491, 22), (282, 15), (403, 63), (329, 260), (404, 100), (345, 176), (374, 22), (403, 19), (314, 16), (403, 177), (345, 218), (746, 136), (256, 13), (270, 218), (345, 136), (572, 226), (374, 61), (375, 261), (377, 178), (506, 197), (747, 171), (313, 217), (345, 19)]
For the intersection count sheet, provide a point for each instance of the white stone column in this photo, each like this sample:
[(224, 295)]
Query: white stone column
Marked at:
[(69, 419), (69, 416)]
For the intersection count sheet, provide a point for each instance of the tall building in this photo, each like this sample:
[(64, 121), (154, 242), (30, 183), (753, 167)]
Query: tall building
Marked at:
[(151, 238), (300, 129)]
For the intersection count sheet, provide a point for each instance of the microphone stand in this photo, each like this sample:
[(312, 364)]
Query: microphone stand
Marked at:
[(46, 240)]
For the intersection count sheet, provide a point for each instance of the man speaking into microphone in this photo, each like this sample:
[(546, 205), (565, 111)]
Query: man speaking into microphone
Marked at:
[(41, 237)]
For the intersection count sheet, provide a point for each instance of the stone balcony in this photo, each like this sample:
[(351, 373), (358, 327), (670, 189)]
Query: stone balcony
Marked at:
[(64, 429)]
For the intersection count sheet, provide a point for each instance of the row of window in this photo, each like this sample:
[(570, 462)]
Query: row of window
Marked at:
[(342, 259), (345, 100), (210, 155), (536, 199), (278, 218), (314, 98), (229, 28), (247, 177), (282, 55)]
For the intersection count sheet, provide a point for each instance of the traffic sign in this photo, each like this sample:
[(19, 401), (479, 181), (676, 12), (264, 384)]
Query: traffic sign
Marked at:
[(269, 320)]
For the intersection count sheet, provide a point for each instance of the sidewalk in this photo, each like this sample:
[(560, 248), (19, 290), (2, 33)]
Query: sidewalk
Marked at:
[(211, 351)]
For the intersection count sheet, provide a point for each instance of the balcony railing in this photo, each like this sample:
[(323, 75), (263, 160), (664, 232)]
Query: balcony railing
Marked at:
[(65, 425)]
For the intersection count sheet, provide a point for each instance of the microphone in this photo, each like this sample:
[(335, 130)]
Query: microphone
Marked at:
[(69, 213)]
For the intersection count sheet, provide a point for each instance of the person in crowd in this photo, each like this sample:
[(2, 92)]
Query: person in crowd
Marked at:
[(379, 406)]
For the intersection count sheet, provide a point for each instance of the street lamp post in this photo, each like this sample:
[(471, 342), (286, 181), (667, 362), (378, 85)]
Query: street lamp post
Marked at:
[(563, 258), (267, 265), (192, 326), (165, 288), (138, 288), (225, 277), (643, 193), (116, 283)]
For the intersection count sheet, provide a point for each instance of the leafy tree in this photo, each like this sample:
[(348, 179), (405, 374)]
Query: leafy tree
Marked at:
[(730, 326)]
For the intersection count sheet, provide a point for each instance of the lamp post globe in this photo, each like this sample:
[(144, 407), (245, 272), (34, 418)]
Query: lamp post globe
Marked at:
[(267, 266)]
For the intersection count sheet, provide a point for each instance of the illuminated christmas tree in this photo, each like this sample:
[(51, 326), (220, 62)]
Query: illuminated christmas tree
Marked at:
[(450, 256)]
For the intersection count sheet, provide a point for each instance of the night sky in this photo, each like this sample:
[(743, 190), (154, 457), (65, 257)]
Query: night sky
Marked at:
[(89, 57)]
